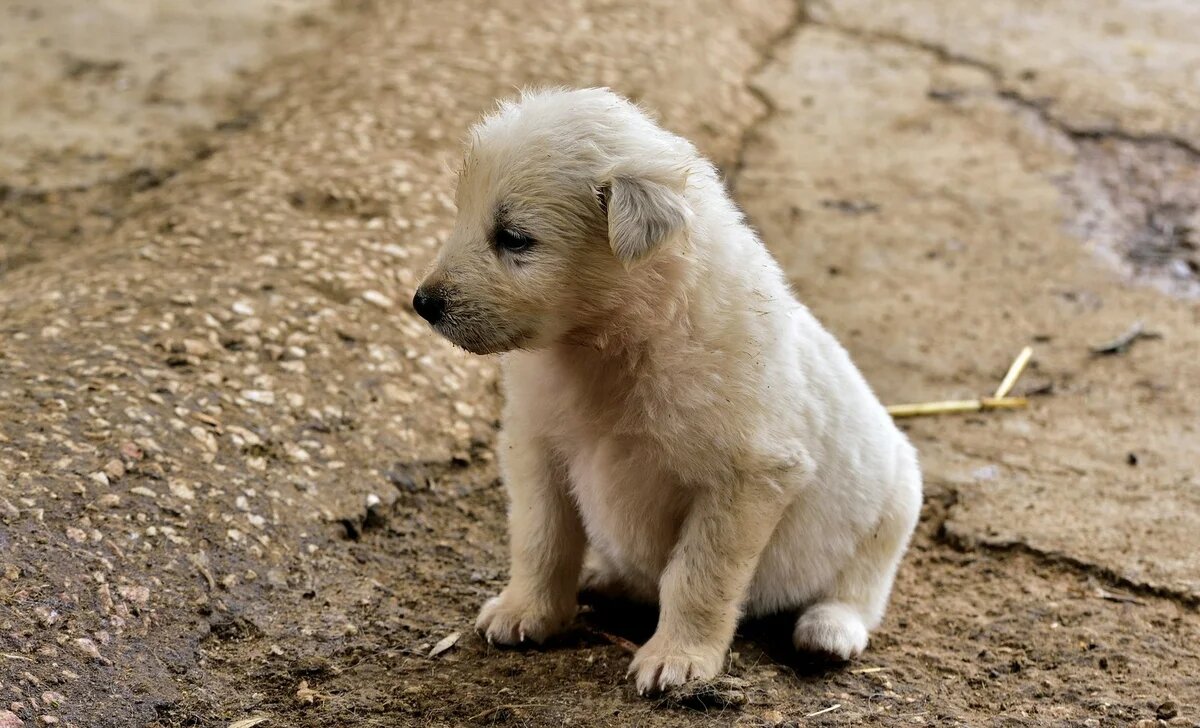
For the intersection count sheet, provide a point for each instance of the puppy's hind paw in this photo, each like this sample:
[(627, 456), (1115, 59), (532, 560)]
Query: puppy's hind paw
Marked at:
[(508, 620), (832, 629)]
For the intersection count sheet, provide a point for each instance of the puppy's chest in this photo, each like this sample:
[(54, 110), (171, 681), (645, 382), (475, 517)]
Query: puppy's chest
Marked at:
[(631, 502), (673, 425)]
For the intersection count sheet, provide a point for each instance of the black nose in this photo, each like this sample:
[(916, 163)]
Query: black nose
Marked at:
[(430, 305)]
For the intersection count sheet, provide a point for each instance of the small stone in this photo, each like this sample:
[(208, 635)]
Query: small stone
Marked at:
[(114, 469), (138, 595), (109, 500), (131, 451), (375, 298), (143, 491), (181, 490), (306, 695), (464, 409), (1166, 710), (53, 699), (195, 347), (243, 308), (78, 535), (100, 478), (104, 598), (277, 579), (88, 648), (205, 437), (45, 615), (9, 719), (259, 396)]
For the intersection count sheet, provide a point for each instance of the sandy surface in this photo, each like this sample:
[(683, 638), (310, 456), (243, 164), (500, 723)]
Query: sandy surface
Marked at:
[(97, 87), (208, 369)]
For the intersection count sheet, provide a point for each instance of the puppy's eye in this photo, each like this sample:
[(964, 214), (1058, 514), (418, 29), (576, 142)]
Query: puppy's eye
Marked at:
[(514, 241)]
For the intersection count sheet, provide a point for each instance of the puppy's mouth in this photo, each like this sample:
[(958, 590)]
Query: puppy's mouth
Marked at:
[(478, 339)]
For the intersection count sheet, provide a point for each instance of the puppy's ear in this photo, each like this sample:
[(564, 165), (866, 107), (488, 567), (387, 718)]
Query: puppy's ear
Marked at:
[(642, 215)]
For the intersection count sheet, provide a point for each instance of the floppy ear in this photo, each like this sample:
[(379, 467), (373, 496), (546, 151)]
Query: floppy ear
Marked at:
[(642, 214)]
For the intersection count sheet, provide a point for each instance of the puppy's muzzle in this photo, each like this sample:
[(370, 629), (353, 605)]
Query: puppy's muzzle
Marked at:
[(430, 304)]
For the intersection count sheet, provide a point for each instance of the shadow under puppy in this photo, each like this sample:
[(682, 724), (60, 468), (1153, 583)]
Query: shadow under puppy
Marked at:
[(677, 426)]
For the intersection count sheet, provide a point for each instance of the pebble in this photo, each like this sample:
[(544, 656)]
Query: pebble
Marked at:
[(8, 719), (181, 490), (375, 298), (88, 648), (53, 699), (114, 469), (109, 500), (259, 396), (45, 615), (464, 409), (138, 595)]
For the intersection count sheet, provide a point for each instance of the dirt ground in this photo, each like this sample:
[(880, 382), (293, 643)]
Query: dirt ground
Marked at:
[(240, 481)]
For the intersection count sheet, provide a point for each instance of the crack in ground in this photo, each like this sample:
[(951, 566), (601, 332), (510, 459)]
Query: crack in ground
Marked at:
[(948, 500), (1136, 196), (1003, 91), (800, 18)]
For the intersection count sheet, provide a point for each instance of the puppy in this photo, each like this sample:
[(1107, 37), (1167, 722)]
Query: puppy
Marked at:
[(673, 413)]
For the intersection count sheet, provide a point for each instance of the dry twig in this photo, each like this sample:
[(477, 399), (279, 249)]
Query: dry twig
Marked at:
[(1014, 373), (1000, 401), (1122, 343), (983, 404), (830, 709)]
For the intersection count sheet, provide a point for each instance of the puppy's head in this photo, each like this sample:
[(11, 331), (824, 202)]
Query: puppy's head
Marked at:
[(561, 195)]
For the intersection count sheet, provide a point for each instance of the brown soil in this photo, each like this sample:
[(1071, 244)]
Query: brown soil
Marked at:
[(239, 479)]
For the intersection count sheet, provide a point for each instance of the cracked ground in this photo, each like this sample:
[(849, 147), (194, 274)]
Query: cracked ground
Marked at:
[(239, 480)]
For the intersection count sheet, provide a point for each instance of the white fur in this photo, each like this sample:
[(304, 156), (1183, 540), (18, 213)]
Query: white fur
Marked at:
[(672, 410)]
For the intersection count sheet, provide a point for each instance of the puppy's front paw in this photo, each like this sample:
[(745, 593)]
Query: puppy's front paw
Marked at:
[(663, 663), (510, 620)]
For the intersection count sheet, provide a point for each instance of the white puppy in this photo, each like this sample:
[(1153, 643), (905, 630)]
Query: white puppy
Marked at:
[(671, 408)]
